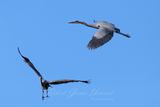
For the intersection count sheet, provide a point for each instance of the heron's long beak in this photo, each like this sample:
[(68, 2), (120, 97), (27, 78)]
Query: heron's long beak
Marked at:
[(75, 22), (71, 22)]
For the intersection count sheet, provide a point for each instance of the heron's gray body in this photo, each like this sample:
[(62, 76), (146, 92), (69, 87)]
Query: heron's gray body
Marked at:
[(103, 34), (105, 25)]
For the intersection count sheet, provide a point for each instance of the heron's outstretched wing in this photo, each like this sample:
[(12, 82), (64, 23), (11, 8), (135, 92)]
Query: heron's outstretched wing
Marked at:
[(66, 81), (101, 37), (30, 64)]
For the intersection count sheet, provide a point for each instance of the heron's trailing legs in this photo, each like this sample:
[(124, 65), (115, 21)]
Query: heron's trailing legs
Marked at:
[(44, 95), (117, 30), (126, 35), (47, 93)]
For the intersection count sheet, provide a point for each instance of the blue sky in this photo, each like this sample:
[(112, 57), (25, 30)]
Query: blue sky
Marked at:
[(123, 72)]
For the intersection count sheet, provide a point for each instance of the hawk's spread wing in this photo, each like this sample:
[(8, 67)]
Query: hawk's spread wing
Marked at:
[(101, 37), (30, 64), (66, 81)]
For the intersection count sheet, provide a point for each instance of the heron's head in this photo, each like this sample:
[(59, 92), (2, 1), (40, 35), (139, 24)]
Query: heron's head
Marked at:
[(43, 81)]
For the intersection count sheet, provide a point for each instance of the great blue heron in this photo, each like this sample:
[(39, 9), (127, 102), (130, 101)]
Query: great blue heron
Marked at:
[(104, 33), (45, 83)]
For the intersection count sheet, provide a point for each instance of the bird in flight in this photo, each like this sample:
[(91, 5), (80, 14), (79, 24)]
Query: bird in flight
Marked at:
[(104, 33), (45, 83)]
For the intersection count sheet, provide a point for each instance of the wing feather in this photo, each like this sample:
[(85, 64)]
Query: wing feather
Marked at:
[(66, 81), (101, 37), (30, 64)]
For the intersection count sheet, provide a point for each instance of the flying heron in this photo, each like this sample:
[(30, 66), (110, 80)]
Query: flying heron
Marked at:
[(104, 33), (45, 83)]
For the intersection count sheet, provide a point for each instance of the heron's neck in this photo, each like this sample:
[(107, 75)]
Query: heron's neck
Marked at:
[(89, 25)]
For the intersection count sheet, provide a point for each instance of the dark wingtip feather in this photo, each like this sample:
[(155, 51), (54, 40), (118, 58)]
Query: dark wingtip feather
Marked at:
[(19, 51), (87, 82), (90, 47), (25, 58)]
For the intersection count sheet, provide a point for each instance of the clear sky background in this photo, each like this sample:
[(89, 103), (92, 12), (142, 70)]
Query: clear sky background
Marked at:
[(123, 73)]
